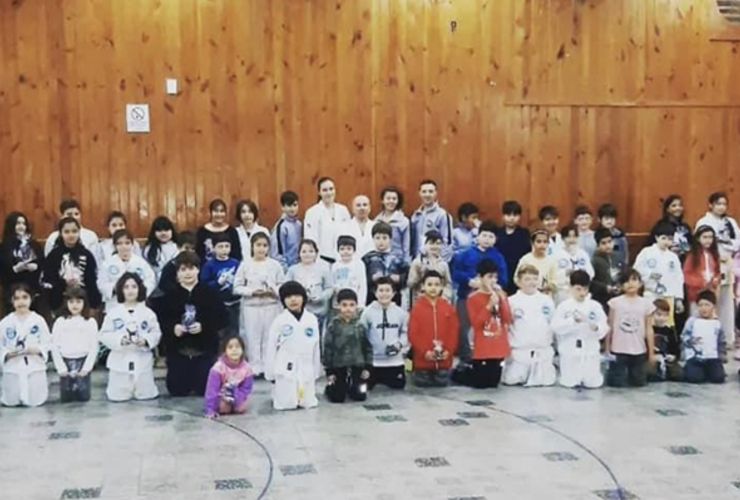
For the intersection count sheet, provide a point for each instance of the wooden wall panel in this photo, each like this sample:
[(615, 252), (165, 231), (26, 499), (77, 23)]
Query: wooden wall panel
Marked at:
[(545, 101)]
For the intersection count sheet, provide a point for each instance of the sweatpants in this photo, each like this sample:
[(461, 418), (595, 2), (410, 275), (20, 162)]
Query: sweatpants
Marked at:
[(24, 390), (347, 383), (233, 312), (255, 330), (464, 352), (74, 388), (583, 369), (124, 386), (698, 371), (663, 370), (188, 374), (431, 378), (391, 376), (627, 369)]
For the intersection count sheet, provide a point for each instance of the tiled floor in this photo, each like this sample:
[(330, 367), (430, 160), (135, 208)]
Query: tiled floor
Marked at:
[(666, 441)]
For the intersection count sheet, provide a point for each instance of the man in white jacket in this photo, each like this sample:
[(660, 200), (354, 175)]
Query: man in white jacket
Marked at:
[(360, 227), (728, 239), (579, 324)]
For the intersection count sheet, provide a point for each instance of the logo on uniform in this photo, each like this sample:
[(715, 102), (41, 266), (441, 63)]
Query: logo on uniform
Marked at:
[(546, 310), (518, 313), (430, 223), (10, 333), (672, 265), (117, 324), (144, 325), (287, 330), (652, 263), (309, 332), (563, 263), (114, 270), (592, 316), (34, 329), (140, 272)]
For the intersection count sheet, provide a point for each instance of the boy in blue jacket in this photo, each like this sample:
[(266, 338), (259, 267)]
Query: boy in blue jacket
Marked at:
[(285, 237), (218, 274), (464, 275)]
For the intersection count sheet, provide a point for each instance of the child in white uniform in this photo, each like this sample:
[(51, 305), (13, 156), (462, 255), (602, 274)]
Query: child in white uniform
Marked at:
[(106, 247), (580, 324), (293, 360), (530, 337), (74, 347), (131, 331), (257, 282), (123, 261), (571, 257), (24, 350)]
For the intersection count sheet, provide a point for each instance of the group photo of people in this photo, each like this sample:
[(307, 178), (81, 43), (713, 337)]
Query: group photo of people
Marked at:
[(378, 293)]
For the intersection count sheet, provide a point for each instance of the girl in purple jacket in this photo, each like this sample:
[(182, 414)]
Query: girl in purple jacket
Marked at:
[(230, 381)]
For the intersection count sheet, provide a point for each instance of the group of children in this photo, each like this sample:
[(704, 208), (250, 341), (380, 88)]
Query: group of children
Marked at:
[(364, 301)]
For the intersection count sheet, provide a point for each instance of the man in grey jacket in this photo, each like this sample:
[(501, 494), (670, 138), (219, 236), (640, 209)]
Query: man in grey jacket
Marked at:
[(428, 217)]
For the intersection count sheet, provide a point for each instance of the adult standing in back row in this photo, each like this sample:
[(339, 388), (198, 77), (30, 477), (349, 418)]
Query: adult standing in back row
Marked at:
[(429, 217), (325, 220)]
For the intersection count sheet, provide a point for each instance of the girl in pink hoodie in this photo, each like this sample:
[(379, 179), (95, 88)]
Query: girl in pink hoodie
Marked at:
[(230, 381)]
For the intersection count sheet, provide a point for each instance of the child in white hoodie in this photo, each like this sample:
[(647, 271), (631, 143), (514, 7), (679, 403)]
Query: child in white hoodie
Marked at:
[(569, 258)]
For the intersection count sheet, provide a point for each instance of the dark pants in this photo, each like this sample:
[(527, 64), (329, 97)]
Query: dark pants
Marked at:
[(391, 376), (74, 388), (627, 369), (463, 347), (698, 371), (483, 374), (188, 374), (348, 383), (431, 378), (233, 312), (669, 371)]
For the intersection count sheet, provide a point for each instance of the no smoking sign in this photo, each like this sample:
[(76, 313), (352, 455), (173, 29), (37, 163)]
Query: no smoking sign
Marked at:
[(137, 118)]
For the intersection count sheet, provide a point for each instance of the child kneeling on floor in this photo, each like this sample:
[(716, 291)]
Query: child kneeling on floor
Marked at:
[(490, 317), (667, 346), (348, 354), (580, 324), (292, 355), (131, 332), (433, 334), (24, 350), (703, 341), (531, 360), (230, 381)]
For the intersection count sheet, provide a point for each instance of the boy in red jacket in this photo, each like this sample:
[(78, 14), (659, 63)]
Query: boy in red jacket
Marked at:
[(432, 334), (490, 317)]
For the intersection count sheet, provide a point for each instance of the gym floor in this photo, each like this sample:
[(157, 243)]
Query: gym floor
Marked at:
[(665, 441)]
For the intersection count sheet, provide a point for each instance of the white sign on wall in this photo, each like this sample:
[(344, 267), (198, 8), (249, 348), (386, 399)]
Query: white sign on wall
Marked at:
[(137, 119)]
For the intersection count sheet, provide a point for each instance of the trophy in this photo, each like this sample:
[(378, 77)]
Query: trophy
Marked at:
[(188, 317), (133, 331), (229, 394), (392, 350), (25, 252), (438, 350)]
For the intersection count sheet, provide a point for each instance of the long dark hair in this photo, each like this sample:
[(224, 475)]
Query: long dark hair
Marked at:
[(75, 293), (161, 223), (667, 203), (63, 222), (9, 228), (697, 250)]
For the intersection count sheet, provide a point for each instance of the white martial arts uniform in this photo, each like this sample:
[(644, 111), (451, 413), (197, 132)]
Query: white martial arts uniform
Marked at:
[(131, 367), (166, 253), (24, 377), (578, 342), (258, 313), (652, 260), (88, 238), (565, 263), (728, 239), (554, 243), (245, 238), (323, 226), (293, 360), (530, 337), (316, 279), (352, 276), (364, 243), (74, 337), (105, 249), (112, 270)]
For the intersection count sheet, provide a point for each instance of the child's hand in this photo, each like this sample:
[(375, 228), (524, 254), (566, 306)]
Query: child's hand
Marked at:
[(212, 416), (31, 351), (180, 330), (376, 276), (679, 306), (365, 375), (429, 356), (578, 317), (395, 278), (83, 373), (125, 341), (445, 354), (493, 300), (331, 379), (655, 276), (141, 342), (474, 283), (195, 328), (222, 279), (63, 374)]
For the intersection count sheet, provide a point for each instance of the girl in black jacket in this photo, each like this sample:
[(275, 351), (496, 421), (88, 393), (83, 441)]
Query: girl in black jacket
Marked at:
[(673, 211), (70, 265), (21, 257)]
